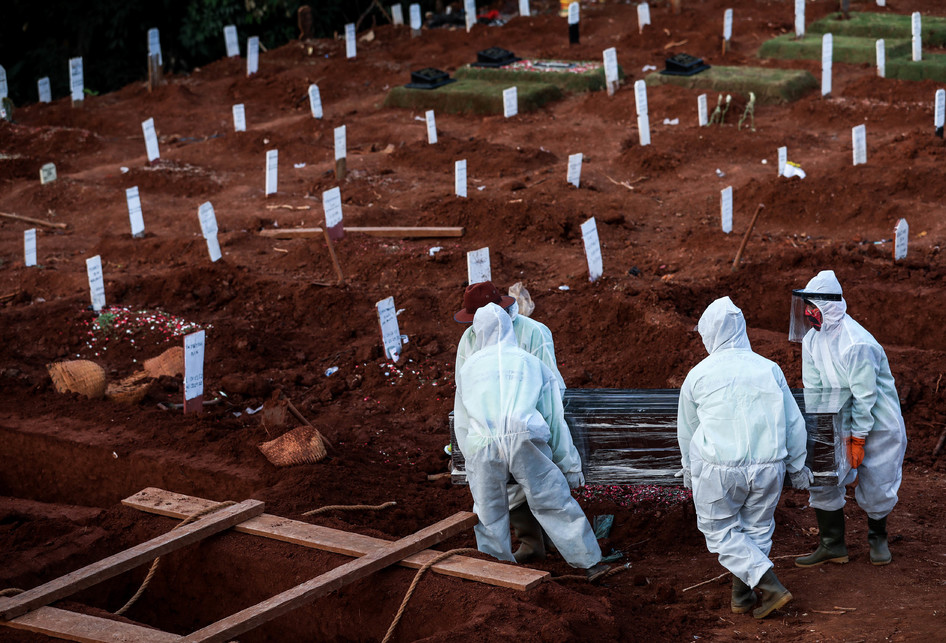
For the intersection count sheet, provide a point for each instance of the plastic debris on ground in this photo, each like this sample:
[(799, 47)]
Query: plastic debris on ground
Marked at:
[(602, 525), (434, 250), (330, 371), (793, 169)]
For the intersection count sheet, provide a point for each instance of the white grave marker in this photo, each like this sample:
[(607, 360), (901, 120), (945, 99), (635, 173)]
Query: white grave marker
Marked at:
[(477, 266), (351, 41), (573, 15), (725, 206), (154, 45), (332, 205), (459, 178), (390, 333), (827, 56), (901, 240), (799, 18), (859, 138), (239, 118), (611, 69), (643, 120), (524, 8), (45, 94), (208, 227), (252, 55), (881, 3), (4, 90), (397, 14), (341, 144), (415, 17), (881, 59), (431, 126), (469, 12), (93, 267), (939, 111), (272, 171), (782, 160), (510, 102), (917, 24), (135, 217), (47, 174), (574, 169), (232, 41), (76, 83), (589, 234), (727, 25), (29, 247), (194, 365), (701, 110), (151, 140), (315, 99)]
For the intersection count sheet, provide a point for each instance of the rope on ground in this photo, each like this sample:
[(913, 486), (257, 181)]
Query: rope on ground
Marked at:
[(706, 582), (610, 572), (417, 577), (154, 563), (10, 591), (349, 508)]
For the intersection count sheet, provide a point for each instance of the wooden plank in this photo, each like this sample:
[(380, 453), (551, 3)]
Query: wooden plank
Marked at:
[(62, 624), (399, 232), (252, 617), (129, 559), (175, 505)]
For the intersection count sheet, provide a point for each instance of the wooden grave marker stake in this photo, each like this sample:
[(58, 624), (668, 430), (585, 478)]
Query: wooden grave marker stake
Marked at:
[(574, 169), (351, 41), (239, 118), (916, 24), (135, 217), (76, 82), (725, 206), (859, 141), (272, 171), (574, 37), (155, 75), (208, 227), (589, 235), (701, 110), (194, 372), (390, 333), (47, 173), (459, 178), (232, 41), (331, 253), (93, 267), (611, 70), (827, 56), (901, 240), (397, 15), (151, 140), (643, 120), (29, 247), (431, 127), (252, 55), (416, 22), (745, 239), (315, 100), (799, 19), (939, 112), (45, 93), (332, 206), (341, 153), (477, 266), (510, 102), (881, 58)]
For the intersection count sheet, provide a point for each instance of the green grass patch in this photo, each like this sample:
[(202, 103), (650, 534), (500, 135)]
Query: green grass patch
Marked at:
[(846, 49), (932, 67), (883, 25), (568, 81), (470, 96), (769, 85)]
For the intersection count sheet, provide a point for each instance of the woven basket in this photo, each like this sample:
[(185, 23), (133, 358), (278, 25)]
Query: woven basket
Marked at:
[(299, 446), (130, 390), (170, 363), (78, 376)]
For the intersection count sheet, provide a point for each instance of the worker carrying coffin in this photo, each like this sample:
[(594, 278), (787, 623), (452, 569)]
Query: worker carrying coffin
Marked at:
[(534, 338), (509, 423), (837, 352), (739, 430)]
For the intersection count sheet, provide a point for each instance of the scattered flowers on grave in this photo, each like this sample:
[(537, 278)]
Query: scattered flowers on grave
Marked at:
[(630, 495), (138, 327), (553, 66)]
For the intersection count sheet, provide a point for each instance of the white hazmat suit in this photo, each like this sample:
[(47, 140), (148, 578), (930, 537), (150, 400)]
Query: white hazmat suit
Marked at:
[(739, 428), (509, 422), (844, 355)]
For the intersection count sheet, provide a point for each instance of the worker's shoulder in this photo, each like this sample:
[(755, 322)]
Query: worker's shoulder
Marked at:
[(529, 323)]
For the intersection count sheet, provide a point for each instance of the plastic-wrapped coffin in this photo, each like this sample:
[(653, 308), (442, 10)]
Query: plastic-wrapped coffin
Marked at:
[(629, 436)]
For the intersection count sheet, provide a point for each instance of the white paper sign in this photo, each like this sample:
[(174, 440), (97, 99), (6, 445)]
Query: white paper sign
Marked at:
[(135, 217), (459, 178), (4, 90), (47, 173), (574, 168), (341, 145), (477, 266), (725, 206), (524, 8), (154, 45), (272, 171), (939, 109), (799, 18), (239, 118), (431, 127), (415, 17), (151, 140), (45, 94), (233, 43), (573, 16), (510, 102), (640, 97), (469, 12), (390, 333), (727, 25), (589, 234), (901, 240), (93, 267), (827, 55), (76, 83), (859, 137), (29, 247), (701, 110), (351, 41), (881, 59), (194, 364), (782, 160), (208, 227), (611, 65), (315, 99), (917, 24), (332, 206), (643, 128), (252, 55), (397, 14)]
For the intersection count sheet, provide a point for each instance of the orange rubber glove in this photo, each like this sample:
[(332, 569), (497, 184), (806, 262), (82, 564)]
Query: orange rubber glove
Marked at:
[(855, 451)]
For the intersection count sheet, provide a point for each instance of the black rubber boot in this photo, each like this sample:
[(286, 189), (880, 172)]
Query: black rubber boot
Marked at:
[(877, 538), (831, 547), (774, 594), (743, 598), (529, 532)]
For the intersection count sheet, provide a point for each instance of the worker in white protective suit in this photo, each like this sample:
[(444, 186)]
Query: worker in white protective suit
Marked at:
[(534, 338), (509, 424), (838, 353), (739, 430)]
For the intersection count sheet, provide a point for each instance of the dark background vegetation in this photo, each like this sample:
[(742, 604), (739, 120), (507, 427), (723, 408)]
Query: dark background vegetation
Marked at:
[(37, 38)]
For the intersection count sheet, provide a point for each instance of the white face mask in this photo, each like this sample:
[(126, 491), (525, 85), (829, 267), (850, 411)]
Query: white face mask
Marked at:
[(513, 310)]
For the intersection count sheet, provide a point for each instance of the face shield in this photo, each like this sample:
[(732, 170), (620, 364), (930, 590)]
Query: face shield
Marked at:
[(806, 312)]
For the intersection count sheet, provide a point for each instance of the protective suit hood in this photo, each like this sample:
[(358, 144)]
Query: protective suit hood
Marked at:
[(493, 327), (722, 326), (832, 312)]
